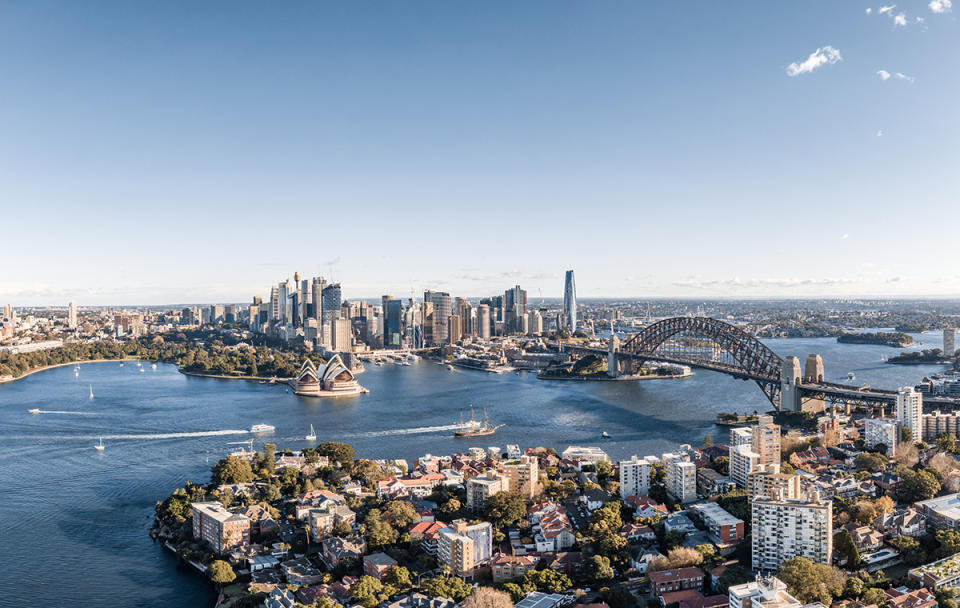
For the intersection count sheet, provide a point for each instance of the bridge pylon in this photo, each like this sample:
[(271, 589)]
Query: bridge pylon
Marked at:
[(790, 377)]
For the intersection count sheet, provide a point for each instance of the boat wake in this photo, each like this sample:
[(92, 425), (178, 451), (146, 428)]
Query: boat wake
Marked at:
[(187, 435), (413, 431), (64, 413)]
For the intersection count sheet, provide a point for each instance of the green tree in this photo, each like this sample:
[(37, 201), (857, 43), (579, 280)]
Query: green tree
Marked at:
[(598, 568), (269, 459), (948, 541), (402, 512), (221, 573), (868, 461), (873, 595), (378, 532), (608, 515), (604, 469), (448, 587), (906, 435), (398, 577), (367, 591), (708, 441), (721, 464), (809, 582), (919, 485), (232, 470), (340, 453), (733, 575), (854, 587), (505, 508), (547, 581), (846, 548), (946, 442), (516, 592)]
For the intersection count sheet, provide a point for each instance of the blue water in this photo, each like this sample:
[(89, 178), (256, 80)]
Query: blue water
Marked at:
[(74, 521)]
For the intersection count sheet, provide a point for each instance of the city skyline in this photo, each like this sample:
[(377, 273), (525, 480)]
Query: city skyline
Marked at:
[(751, 150)]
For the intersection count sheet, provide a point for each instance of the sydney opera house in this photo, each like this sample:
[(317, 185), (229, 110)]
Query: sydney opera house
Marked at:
[(336, 380)]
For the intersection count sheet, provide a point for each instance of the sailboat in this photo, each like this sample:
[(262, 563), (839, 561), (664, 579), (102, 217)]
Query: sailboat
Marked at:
[(91, 391), (99, 447), (312, 436)]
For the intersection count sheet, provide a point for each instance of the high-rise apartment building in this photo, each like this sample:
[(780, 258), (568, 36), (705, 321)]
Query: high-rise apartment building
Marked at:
[(570, 302), (878, 432), (523, 475), (765, 440), (72, 315), (765, 592), (769, 482), (482, 487), (740, 436), (743, 461), (634, 476), (949, 342), (681, 477), (220, 528), (785, 528), (534, 323), (910, 410), (461, 548)]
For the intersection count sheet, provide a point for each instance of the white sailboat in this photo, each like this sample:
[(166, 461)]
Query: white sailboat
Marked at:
[(91, 391), (312, 436), (99, 447)]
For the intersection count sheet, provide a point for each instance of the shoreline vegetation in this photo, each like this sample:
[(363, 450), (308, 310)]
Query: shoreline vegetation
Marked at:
[(198, 353), (929, 355), (895, 339)]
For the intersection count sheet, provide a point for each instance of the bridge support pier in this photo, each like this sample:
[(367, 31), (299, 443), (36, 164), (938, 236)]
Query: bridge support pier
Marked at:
[(790, 385)]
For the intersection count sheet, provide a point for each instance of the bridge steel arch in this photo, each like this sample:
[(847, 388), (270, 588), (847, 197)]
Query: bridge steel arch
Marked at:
[(752, 359)]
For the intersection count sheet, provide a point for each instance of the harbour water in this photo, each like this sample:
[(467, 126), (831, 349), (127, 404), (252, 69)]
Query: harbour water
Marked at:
[(74, 521)]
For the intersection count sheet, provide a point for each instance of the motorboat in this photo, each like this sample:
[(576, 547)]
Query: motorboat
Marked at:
[(605, 435), (35, 410), (262, 428)]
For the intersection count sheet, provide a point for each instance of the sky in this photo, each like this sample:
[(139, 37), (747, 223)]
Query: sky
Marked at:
[(169, 152)]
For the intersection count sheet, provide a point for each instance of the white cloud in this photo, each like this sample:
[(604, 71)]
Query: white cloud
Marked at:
[(920, 20), (940, 6), (885, 75), (900, 19), (880, 133), (822, 56), (869, 10), (886, 9), (845, 237)]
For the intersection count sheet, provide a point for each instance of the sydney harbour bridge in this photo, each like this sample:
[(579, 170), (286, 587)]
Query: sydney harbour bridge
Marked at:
[(708, 343)]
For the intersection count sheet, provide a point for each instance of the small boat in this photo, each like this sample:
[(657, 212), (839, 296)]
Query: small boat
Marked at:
[(449, 367), (153, 366), (142, 370), (35, 410), (379, 362), (312, 436), (76, 373), (121, 365), (605, 435), (91, 391), (99, 447), (851, 376), (262, 428), (139, 364)]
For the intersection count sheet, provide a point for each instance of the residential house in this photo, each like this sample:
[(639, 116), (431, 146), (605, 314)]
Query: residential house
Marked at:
[(677, 579), (336, 549), (903, 597), (425, 533), (641, 558), (594, 499), (506, 567), (903, 522), (419, 600), (301, 571), (377, 564), (637, 532), (646, 507), (280, 598), (679, 522)]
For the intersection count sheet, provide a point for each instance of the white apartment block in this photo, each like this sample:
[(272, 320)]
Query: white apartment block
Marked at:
[(681, 477), (743, 461), (740, 436), (787, 528), (910, 410), (634, 476), (765, 592), (588, 454), (877, 432)]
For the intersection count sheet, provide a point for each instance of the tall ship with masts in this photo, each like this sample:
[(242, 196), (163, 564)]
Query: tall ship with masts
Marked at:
[(473, 428)]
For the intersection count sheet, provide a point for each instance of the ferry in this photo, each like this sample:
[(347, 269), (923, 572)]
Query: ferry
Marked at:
[(262, 428), (474, 428)]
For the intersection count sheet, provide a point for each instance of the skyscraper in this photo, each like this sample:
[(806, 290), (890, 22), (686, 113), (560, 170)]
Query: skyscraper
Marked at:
[(72, 315), (331, 300), (393, 323), (949, 343), (570, 301), (442, 309), (910, 410), (483, 322)]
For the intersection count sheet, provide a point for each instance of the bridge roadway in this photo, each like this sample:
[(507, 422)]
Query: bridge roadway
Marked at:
[(828, 391)]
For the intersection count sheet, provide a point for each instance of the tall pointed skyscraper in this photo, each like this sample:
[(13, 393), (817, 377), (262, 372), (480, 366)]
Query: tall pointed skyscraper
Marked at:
[(570, 301)]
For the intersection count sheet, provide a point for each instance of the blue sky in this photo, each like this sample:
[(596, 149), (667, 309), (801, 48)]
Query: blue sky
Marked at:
[(161, 152)]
